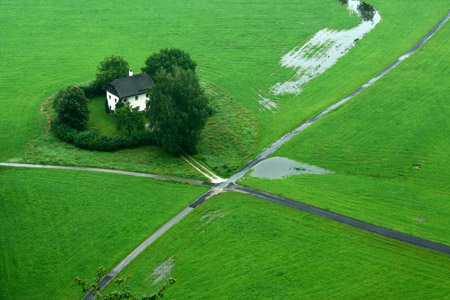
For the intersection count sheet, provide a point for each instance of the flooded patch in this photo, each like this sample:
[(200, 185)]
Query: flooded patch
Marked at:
[(281, 167), (209, 217), (162, 271), (267, 103), (325, 48)]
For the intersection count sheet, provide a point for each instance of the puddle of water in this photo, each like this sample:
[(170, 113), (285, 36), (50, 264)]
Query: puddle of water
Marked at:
[(325, 48), (281, 167), (162, 271)]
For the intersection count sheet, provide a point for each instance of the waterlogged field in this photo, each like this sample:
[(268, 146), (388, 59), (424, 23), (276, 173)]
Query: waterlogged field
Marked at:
[(57, 225), (388, 147), (237, 45), (245, 248)]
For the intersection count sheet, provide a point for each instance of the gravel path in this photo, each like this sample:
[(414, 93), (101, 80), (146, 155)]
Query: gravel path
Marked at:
[(137, 174)]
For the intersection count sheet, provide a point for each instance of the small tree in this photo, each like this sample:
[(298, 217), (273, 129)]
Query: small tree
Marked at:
[(122, 289), (129, 118), (111, 68), (166, 59), (73, 108), (178, 110)]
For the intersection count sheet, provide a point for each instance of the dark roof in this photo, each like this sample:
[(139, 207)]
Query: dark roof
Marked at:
[(130, 86)]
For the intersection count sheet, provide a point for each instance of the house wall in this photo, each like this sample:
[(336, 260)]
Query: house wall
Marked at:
[(112, 100), (140, 102)]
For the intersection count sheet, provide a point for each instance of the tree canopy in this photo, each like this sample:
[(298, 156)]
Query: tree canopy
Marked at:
[(178, 110), (129, 118), (73, 108), (111, 68), (166, 59)]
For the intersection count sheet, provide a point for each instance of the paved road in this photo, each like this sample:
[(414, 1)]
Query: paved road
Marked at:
[(111, 275), (343, 219), (137, 174)]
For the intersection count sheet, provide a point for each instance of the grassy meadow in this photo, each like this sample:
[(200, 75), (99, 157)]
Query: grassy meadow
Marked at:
[(389, 147), (58, 224), (245, 248), (50, 45)]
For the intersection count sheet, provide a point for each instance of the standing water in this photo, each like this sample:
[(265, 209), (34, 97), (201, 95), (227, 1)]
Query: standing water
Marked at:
[(280, 167), (325, 48)]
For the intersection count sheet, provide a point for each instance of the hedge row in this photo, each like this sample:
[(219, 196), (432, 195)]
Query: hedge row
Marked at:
[(93, 140)]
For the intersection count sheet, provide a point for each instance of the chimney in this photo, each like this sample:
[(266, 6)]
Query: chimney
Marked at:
[(130, 72)]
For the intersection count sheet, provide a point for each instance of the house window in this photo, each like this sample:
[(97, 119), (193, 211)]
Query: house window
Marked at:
[(136, 97), (109, 97), (116, 100), (146, 95)]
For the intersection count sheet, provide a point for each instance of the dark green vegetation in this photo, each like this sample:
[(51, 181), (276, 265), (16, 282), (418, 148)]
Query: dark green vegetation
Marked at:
[(179, 110), (129, 119), (245, 248), (72, 109), (166, 59), (120, 289), (111, 68), (389, 147), (57, 225)]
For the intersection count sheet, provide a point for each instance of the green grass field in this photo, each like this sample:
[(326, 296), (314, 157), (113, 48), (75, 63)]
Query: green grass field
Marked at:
[(254, 249), (237, 46), (57, 225), (99, 119), (389, 147)]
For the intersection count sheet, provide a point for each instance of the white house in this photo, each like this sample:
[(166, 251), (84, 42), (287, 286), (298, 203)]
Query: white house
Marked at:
[(132, 89)]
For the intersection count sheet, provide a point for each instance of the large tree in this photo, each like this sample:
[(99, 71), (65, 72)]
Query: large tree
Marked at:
[(166, 59), (178, 110), (111, 68), (73, 108), (129, 118)]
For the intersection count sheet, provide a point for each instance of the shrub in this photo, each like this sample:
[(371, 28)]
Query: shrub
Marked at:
[(93, 140), (92, 89), (73, 109)]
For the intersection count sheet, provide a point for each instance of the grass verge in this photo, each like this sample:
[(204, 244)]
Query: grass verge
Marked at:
[(58, 224), (238, 247)]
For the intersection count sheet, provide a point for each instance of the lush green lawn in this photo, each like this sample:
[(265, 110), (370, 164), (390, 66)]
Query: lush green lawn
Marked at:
[(254, 249), (238, 45), (99, 119), (389, 147), (56, 225)]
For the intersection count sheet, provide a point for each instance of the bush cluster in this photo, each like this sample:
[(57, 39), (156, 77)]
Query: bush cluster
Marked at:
[(93, 140)]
